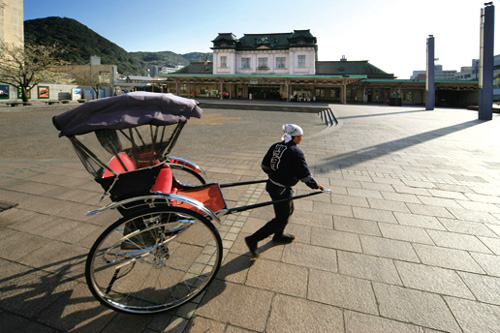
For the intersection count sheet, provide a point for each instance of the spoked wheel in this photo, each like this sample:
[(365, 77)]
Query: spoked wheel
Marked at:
[(154, 260)]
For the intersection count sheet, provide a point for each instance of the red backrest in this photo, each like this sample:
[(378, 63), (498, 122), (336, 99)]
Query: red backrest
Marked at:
[(117, 167), (164, 180)]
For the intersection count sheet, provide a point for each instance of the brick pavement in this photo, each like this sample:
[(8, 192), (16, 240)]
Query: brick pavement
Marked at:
[(408, 240)]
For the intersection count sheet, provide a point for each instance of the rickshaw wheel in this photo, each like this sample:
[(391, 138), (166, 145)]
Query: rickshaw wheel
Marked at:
[(187, 176), (154, 260)]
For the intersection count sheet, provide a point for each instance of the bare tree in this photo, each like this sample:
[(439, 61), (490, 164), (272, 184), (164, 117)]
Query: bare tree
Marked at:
[(25, 67), (91, 78)]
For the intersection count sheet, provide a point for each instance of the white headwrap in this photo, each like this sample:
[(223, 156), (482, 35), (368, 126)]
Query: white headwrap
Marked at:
[(291, 130)]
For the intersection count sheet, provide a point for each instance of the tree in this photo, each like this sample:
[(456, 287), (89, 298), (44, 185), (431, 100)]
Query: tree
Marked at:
[(25, 67), (91, 78)]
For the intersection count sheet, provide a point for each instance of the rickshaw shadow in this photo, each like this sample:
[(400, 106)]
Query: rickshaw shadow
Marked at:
[(52, 295), (233, 270)]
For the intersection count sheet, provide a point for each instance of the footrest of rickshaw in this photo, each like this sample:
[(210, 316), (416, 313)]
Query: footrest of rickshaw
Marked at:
[(209, 195)]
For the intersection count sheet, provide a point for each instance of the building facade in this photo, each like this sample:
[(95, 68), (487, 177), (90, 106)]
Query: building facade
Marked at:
[(264, 54), (439, 74), (280, 66), (12, 22), (284, 66)]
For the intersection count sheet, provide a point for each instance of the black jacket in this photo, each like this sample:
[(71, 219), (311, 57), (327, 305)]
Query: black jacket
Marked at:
[(285, 165)]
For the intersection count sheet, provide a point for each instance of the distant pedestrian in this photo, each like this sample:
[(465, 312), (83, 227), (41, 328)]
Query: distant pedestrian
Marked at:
[(285, 165)]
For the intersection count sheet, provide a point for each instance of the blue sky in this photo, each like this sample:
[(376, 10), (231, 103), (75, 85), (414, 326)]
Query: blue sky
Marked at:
[(390, 34)]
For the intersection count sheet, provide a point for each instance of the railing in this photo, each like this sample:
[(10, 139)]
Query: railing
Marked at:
[(328, 117)]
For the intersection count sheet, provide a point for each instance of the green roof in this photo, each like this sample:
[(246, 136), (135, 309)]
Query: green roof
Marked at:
[(225, 40), (345, 67), (352, 69), (275, 41), (197, 68)]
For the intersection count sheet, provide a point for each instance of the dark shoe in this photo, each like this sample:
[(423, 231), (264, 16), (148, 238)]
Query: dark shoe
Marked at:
[(252, 246), (283, 239)]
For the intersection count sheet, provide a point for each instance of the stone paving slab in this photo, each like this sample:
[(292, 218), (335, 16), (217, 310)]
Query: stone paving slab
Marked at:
[(407, 241)]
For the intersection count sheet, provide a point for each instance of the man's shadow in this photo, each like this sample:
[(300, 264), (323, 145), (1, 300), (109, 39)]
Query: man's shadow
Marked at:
[(236, 265)]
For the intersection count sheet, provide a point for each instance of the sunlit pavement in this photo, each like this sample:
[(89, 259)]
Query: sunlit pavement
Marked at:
[(408, 239)]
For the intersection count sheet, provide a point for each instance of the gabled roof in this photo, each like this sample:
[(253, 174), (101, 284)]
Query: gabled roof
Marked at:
[(275, 41), (225, 36), (362, 67), (302, 37), (225, 41), (197, 68)]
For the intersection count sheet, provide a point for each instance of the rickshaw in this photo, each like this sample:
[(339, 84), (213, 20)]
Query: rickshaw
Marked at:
[(165, 249)]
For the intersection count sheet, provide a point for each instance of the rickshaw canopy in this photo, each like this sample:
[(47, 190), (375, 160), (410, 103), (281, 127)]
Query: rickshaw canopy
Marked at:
[(127, 111)]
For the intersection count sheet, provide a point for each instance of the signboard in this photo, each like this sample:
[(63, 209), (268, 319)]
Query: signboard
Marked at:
[(76, 93), (43, 92), (88, 94), (20, 94), (4, 92)]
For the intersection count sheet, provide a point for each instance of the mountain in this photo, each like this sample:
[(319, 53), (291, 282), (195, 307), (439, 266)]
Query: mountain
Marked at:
[(198, 56), (169, 58), (82, 42), (161, 58)]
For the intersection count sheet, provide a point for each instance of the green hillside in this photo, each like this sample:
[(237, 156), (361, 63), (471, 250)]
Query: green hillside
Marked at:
[(83, 42), (161, 58), (198, 56)]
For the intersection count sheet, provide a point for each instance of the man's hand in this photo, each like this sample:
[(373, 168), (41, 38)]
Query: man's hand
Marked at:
[(320, 187)]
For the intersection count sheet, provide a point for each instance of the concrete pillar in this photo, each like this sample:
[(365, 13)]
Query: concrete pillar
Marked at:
[(486, 62), (343, 92), (430, 97)]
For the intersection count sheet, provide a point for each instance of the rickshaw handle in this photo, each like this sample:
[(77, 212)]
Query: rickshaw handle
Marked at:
[(267, 203), (250, 182)]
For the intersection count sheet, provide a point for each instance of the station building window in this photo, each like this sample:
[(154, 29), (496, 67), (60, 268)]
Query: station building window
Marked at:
[(302, 61), (280, 62), (223, 62), (263, 63), (245, 62)]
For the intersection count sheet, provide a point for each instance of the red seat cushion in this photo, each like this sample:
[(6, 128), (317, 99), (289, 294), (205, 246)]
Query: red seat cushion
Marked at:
[(117, 167), (164, 180)]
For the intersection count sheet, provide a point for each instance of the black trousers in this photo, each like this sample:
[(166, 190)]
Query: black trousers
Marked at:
[(282, 210)]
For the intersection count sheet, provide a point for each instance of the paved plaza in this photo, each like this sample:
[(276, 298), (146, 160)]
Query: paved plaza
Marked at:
[(408, 240)]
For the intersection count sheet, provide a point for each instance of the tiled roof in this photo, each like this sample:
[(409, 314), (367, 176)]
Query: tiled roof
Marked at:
[(328, 68), (197, 68), (274, 41), (225, 36), (350, 68)]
